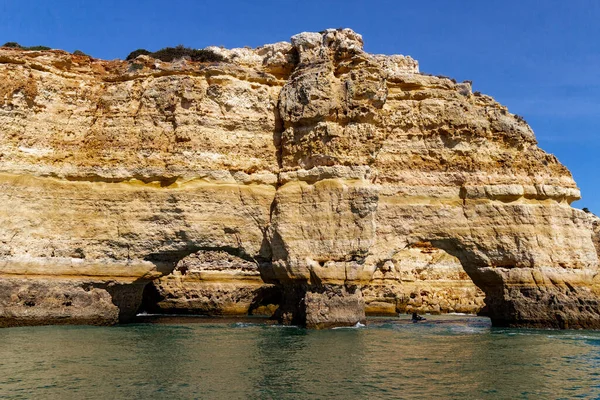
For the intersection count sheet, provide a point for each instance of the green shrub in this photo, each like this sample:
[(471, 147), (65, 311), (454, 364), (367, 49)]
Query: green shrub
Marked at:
[(520, 118), (168, 54), (135, 67), (16, 45), (139, 52), (38, 48), (79, 53)]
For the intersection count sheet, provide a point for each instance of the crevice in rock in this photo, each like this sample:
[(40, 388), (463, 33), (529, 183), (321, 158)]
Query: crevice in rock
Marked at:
[(150, 299), (163, 181), (264, 298), (277, 136)]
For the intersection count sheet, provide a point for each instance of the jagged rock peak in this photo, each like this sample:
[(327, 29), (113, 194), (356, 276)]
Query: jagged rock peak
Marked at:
[(311, 47)]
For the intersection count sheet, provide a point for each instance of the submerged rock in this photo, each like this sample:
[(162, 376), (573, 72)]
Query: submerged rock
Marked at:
[(310, 166)]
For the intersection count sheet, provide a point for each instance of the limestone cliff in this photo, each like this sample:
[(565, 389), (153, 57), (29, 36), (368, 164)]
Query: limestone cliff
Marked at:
[(596, 233), (312, 164)]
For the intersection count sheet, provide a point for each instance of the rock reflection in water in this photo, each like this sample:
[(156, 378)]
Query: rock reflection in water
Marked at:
[(445, 356)]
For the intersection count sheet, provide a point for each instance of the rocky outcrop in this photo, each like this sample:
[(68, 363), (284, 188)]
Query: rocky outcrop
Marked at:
[(38, 301), (312, 164)]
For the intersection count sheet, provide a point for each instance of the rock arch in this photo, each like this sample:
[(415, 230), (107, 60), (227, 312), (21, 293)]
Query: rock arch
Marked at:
[(421, 278), (212, 282), (377, 156), (313, 155)]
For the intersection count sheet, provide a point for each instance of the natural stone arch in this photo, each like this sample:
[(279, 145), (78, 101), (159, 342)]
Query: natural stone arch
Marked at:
[(362, 153), (212, 281), (488, 280), (528, 295), (376, 156), (421, 278)]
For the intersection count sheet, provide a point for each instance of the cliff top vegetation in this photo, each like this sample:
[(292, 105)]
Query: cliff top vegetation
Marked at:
[(169, 54)]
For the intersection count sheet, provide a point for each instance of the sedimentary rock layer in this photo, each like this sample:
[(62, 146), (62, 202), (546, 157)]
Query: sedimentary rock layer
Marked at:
[(333, 174)]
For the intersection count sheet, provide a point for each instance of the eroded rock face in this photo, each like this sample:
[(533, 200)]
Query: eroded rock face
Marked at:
[(596, 233), (422, 279), (317, 165), (112, 172), (66, 301), (213, 283)]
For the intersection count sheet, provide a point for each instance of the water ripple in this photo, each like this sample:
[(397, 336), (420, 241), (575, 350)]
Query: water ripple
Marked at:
[(443, 357)]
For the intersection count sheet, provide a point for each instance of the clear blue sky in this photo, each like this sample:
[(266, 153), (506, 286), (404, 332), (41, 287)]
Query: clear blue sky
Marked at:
[(540, 58)]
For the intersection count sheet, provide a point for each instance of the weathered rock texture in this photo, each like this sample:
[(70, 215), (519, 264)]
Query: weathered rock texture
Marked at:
[(313, 164), (213, 283), (422, 279), (596, 233)]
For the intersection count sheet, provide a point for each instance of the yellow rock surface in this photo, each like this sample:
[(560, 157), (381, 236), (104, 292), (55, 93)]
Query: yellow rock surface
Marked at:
[(314, 160)]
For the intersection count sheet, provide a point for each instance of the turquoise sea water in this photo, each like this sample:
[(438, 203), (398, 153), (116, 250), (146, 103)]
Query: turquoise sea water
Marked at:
[(456, 357)]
